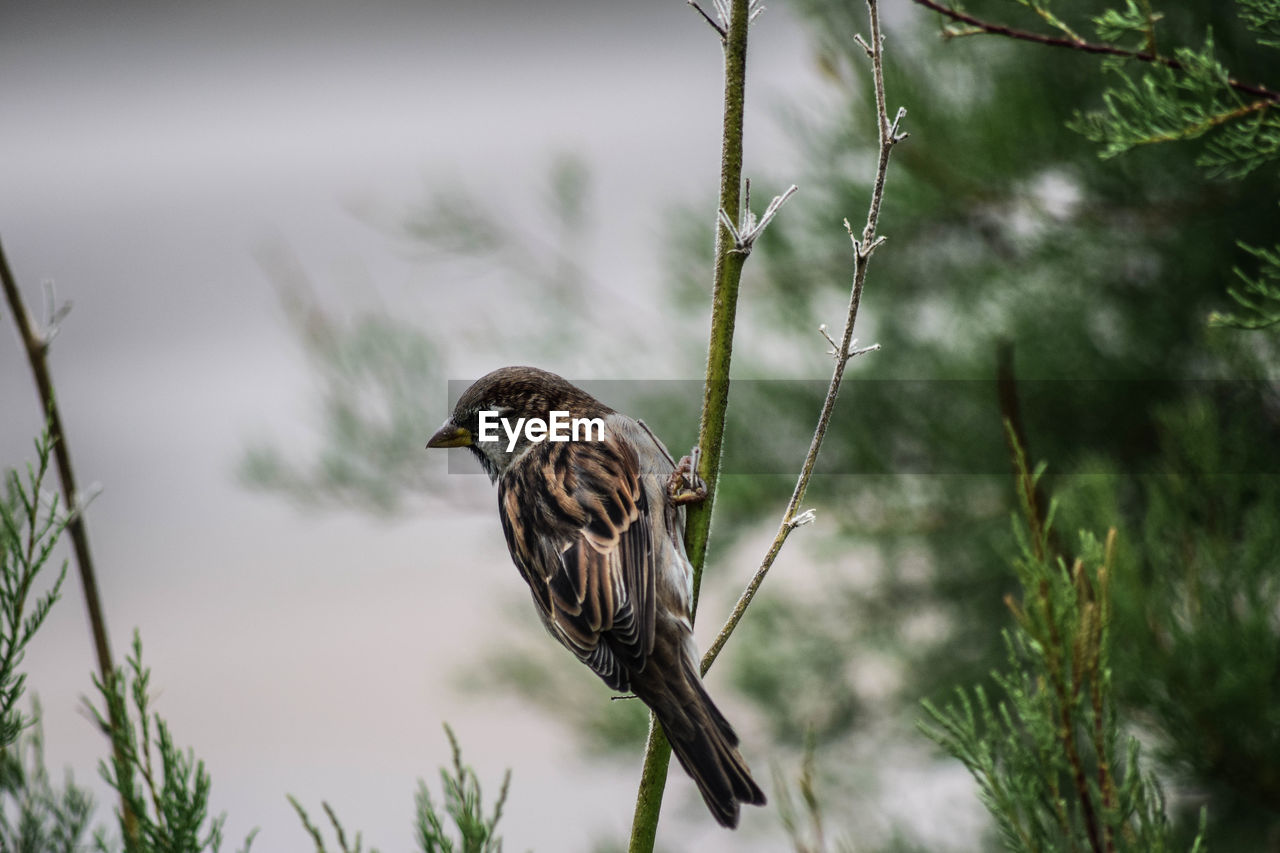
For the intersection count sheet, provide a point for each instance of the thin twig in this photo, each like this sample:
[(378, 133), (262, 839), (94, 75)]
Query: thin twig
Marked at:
[(715, 25), (1147, 55), (749, 229), (37, 346), (792, 518)]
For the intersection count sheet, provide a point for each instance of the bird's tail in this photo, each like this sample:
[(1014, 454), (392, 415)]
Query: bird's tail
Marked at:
[(707, 748)]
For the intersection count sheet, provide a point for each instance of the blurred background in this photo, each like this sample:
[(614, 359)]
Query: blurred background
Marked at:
[(286, 226)]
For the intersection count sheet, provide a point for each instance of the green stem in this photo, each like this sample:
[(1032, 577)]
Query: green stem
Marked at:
[(724, 297), (724, 305), (653, 783)]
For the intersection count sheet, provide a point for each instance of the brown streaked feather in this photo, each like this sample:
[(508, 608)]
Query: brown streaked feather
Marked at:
[(577, 524)]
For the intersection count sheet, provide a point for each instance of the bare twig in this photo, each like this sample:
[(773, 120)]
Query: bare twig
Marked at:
[(748, 230), (889, 136), (1147, 55), (854, 349), (36, 345), (712, 22)]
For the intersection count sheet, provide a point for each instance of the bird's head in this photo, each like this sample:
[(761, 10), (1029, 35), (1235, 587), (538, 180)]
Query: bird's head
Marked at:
[(492, 416)]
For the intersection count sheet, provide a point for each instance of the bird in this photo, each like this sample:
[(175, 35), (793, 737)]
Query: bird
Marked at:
[(595, 527)]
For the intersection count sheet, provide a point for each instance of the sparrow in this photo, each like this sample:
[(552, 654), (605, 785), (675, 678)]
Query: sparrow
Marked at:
[(596, 528)]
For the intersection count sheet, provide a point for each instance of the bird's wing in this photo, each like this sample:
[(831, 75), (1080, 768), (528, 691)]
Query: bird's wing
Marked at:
[(578, 525)]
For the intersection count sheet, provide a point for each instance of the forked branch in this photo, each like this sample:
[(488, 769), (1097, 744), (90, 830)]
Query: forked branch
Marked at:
[(890, 134)]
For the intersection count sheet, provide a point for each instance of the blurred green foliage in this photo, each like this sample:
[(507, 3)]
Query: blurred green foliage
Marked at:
[(1099, 276), (463, 813), (36, 816), (464, 808), (164, 789), (1047, 752), (30, 524)]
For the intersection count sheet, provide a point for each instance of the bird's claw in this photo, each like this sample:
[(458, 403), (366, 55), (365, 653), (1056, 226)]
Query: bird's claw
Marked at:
[(684, 485)]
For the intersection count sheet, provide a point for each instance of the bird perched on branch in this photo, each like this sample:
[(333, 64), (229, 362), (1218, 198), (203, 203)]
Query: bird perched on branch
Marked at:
[(596, 527)]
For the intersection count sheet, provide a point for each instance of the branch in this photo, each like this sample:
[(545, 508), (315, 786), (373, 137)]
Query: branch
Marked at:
[(712, 22), (37, 347), (724, 303), (1148, 55), (724, 297), (733, 245), (889, 136), (1207, 124)]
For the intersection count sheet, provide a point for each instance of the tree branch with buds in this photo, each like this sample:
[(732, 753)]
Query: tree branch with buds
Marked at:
[(890, 134)]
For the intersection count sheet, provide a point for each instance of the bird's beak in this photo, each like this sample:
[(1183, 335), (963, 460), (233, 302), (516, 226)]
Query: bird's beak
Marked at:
[(450, 435)]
